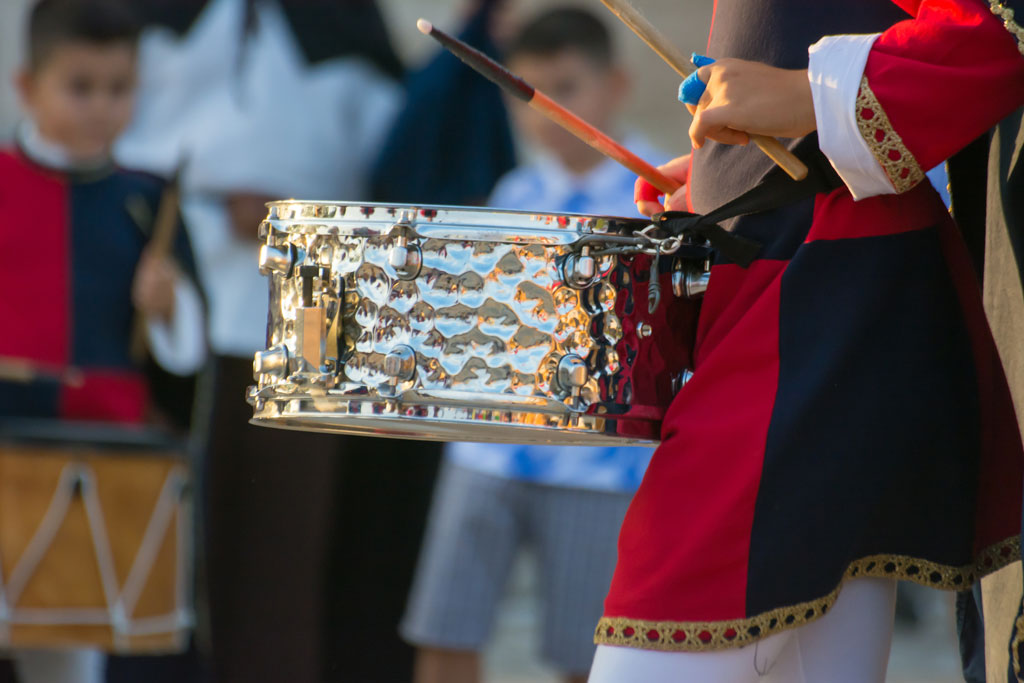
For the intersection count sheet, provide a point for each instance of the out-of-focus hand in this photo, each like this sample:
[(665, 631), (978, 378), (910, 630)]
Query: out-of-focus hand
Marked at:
[(153, 288), (749, 97), (647, 196)]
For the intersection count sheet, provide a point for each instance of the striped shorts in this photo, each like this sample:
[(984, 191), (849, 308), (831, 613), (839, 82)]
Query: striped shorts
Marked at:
[(477, 524)]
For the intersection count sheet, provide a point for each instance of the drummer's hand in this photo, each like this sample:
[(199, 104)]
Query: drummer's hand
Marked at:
[(153, 288), (749, 97), (646, 195)]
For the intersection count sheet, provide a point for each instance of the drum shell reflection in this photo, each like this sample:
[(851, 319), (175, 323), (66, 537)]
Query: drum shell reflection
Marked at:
[(456, 323)]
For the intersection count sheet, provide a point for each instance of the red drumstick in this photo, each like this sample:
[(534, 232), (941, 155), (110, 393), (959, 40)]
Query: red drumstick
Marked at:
[(519, 88)]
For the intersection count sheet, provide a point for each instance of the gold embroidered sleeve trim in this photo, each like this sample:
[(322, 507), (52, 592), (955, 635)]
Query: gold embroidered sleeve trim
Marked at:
[(1006, 14), (695, 636), (885, 143)]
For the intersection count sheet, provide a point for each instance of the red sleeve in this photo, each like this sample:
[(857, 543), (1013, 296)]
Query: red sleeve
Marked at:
[(936, 82)]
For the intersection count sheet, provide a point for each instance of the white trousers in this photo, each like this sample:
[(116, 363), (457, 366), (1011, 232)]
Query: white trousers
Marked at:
[(59, 666), (850, 644)]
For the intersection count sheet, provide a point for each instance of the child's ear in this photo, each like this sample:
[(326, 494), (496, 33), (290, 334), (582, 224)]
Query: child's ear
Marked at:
[(22, 79), (619, 84)]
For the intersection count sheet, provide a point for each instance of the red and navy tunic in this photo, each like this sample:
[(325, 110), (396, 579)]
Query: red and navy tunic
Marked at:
[(848, 414), (71, 243)]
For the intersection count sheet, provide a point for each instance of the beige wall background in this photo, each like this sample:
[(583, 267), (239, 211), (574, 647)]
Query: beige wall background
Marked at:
[(653, 109), (12, 19)]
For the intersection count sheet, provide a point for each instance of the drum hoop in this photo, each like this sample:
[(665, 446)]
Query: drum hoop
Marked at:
[(90, 436), (434, 221)]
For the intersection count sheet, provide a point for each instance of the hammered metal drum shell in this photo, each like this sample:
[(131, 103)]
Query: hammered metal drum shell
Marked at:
[(450, 323)]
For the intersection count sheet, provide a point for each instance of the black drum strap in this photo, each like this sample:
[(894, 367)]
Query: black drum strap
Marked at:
[(776, 190)]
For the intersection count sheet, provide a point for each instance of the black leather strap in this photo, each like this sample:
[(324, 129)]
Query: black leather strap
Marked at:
[(777, 189)]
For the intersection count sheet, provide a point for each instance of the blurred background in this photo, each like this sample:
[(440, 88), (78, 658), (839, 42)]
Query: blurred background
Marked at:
[(652, 109), (925, 646)]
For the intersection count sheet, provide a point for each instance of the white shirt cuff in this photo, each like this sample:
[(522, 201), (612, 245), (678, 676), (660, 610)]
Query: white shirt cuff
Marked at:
[(835, 71), (180, 346)]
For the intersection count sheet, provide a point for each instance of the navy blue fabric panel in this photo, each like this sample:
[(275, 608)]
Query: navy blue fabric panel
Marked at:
[(39, 399), (780, 232), (452, 141), (879, 424), (106, 243)]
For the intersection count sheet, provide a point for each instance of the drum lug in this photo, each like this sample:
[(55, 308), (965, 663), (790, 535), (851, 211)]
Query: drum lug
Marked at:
[(310, 338), (400, 367), (579, 270), (271, 362), (276, 261), (400, 363), (690, 278), (405, 256)]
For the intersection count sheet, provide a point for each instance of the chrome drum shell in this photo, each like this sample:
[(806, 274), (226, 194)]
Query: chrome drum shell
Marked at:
[(456, 323)]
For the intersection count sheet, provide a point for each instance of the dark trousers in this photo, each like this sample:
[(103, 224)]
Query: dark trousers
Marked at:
[(268, 497), (311, 544)]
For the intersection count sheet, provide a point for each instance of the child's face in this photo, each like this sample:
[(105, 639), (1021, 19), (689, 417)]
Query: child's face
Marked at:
[(588, 89), (81, 96)]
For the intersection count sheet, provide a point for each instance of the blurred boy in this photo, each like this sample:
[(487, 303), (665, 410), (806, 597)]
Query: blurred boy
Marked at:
[(75, 228), (567, 503)]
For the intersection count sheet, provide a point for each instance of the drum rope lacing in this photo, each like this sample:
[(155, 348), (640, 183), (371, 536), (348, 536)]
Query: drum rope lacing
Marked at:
[(78, 480)]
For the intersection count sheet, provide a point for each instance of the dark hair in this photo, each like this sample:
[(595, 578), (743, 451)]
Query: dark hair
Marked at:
[(561, 29), (99, 22)]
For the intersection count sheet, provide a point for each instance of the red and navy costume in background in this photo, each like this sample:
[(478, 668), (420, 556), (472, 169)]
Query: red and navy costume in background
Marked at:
[(848, 415), (75, 240)]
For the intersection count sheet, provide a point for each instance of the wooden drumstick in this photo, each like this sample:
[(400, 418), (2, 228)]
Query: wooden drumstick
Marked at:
[(519, 88), (25, 371), (161, 240), (657, 41)]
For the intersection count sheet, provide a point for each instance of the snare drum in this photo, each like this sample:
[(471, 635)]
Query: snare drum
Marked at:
[(449, 323), (95, 538)]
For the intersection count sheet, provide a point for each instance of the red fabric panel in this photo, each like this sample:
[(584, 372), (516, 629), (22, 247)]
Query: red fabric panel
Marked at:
[(659, 576), (107, 396), (946, 76), (837, 216), (34, 276)]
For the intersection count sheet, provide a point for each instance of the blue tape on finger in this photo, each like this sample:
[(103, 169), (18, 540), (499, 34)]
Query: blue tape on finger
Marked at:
[(692, 88)]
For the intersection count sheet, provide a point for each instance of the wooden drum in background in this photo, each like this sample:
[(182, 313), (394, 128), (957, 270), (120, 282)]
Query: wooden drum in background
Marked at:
[(95, 538)]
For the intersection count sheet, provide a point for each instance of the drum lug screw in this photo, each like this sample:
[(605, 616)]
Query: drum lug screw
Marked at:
[(275, 261), (690, 279), (644, 330)]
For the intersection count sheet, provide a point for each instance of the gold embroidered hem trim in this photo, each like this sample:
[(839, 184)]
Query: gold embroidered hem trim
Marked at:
[(885, 143), (1006, 14), (697, 636)]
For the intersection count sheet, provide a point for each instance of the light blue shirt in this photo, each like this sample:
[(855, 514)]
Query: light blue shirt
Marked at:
[(546, 186)]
